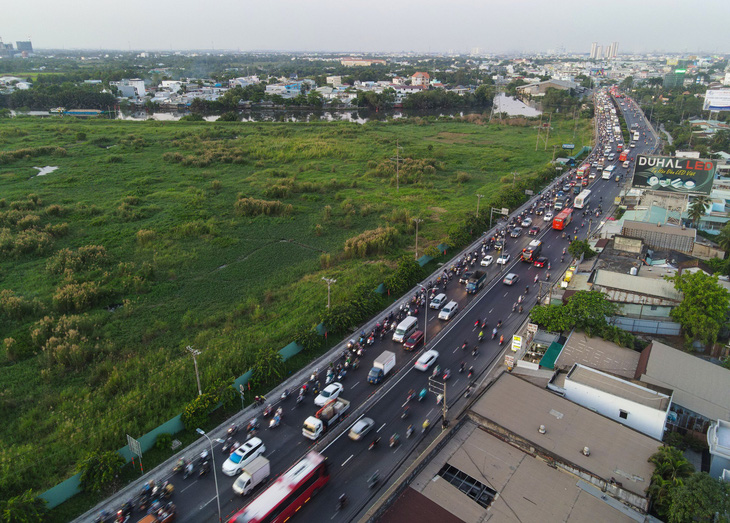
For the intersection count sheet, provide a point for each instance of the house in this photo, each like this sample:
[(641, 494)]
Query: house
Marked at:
[(718, 439), (701, 388), (130, 88), (334, 81), (421, 80), (661, 236)]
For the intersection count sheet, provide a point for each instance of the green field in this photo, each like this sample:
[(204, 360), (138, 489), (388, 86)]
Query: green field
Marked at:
[(143, 241)]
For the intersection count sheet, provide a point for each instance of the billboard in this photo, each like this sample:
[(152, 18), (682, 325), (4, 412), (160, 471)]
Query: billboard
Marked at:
[(677, 175), (717, 100)]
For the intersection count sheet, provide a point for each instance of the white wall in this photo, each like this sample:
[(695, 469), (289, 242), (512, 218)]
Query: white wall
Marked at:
[(644, 419)]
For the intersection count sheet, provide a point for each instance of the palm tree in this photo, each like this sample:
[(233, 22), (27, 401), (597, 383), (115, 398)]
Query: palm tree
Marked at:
[(723, 238), (698, 208)]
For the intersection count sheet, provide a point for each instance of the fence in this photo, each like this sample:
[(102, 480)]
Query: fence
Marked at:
[(663, 328)]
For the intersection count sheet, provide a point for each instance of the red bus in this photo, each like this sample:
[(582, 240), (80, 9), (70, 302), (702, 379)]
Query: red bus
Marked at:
[(622, 157), (562, 220), (620, 147), (288, 493), (583, 171)]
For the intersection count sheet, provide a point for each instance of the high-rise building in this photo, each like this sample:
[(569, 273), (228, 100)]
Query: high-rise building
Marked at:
[(599, 52), (24, 46), (594, 45), (614, 53)]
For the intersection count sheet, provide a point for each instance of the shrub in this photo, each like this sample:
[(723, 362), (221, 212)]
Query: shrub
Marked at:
[(462, 177), (253, 207), (99, 470), (115, 158), (80, 136), (13, 306), (370, 242), (145, 237), (195, 413), (55, 210), (76, 296), (163, 441), (216, 186), (84, 258)]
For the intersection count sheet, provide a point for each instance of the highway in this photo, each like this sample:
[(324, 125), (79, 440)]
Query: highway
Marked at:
[(350, 462)]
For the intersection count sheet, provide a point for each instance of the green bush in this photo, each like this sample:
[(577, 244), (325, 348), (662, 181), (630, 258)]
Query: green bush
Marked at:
[(163, 441), (99, 470), (195, 413)]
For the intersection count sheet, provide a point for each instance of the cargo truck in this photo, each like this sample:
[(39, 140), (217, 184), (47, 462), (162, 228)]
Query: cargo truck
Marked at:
[(332, 412), (382, 365), (253, 475), (476, 282)]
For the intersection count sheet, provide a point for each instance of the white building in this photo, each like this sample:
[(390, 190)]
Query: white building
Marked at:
[(334, 81), (640, 408), (718, 438), (130, 87)]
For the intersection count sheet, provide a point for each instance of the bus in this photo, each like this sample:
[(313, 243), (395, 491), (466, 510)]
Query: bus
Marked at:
[(580, 200), (623, 156), (619, 147), (636, 136), (608, 172), (583, 171), (288, 493), (532, 251), (562, 220)]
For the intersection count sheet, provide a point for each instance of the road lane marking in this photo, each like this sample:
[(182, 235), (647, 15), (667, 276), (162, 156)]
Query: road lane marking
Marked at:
[(381, 427), (348, 459)]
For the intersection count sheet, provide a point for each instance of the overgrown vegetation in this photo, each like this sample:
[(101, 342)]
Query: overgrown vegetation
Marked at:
[(111, 268)]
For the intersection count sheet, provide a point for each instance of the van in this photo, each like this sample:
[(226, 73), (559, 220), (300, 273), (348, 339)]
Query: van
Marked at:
[(438, 301), (448, 311), (405, 329), (558, 205)]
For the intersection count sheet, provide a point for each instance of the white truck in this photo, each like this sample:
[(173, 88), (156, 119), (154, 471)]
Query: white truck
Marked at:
[(253, 475), (382, 365), (332, 412)]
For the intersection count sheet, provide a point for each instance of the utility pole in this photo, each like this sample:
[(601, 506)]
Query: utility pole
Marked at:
[(329, 282), (479, 199), (397, 160), (417, 220), (195, 353)]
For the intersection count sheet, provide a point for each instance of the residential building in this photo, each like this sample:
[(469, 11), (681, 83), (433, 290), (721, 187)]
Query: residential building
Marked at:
[(24, 47), (599, 354), (594, 48), (718, 439), (540, 88), (701, 388), (640, 408), (130, 88), (360, 62), (521, 453), (334, 81), (661, 236), (421, 80)]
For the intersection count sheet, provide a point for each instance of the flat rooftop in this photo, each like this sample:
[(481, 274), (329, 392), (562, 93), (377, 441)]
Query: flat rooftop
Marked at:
[(598, 354), (615, 450), (619, 387), (528, 490)]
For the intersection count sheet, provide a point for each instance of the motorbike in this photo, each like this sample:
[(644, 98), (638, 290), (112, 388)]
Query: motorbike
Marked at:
[(355, 364), (204, 456), (275, 421), (494, 332), (447, 374), (373, 443), (204, 469), (480, 337), (341, 502), (373, 480), (189, 468), (285, 394), (475, 351), (436, 371), (342, 374), (520, 309), (409, 431), (329, 378), (179, 466), (464, 345), (253, 426), (514, 307), (422, 394), (394, 440), (268, 410), (227, 444), (471, 371), (300, 398), (501, 340), (405, 412), (461, 367)]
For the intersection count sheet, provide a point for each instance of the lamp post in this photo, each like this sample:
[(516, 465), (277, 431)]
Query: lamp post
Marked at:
[(417, 220), (195, 353), (329, 282), (425, 312), (479, 199), (217, 496)]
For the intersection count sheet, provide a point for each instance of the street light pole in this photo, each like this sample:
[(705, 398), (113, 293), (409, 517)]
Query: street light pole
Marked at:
[(215, 476), (417, 220), (479, 199), (195, 353), (329, 282), (425, 312)]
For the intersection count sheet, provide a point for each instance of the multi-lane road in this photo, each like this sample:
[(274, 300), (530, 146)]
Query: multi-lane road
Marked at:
[(351, 463)]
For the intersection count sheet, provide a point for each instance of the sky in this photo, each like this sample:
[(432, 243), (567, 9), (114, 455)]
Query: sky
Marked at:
[(371, 25)]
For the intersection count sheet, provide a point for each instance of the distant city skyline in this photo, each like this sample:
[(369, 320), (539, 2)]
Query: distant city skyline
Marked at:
[(379, 26)]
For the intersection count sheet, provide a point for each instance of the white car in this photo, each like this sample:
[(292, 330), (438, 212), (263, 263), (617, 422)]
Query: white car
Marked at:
[(503, 259), (486, 261), (330, 392), (449, 310), (526, 222), (242, 456), (427, 359), (548, 216)]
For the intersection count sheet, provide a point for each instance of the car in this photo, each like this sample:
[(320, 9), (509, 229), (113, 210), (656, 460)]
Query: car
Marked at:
[(541, 262), (511, 279), (499, 245), (465, 277), (548, 216), (415, 341), (516, 232), (329, 393), (242, 456), (534, 230), (486, 261), (576, 190), (503, 259), (449, 310), (526, 222), (361, 428), (560, 195), (540, 211), (566, 187), (426, 359), (438, 301), (585, 183)]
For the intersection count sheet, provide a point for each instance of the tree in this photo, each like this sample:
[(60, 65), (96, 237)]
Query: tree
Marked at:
[(315, 99), (589, 309), (627, 83), (581, 248), (99, 469), (699, 498), (269, 367), (723, 238), (704, 306), (671, 470), (552, 318), (25, 508), (698, 208)]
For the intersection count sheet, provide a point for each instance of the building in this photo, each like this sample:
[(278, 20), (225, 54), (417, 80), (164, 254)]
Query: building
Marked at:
[(701, 388), (360, 62), (24, 47), (334, 81), (718, 439), (674, 79), (540, 88), (130, 88), (636, 295), (661, 236), (594, 48), (521, 453), (614, 50), (599, 354), (640, 408), (421, 80)]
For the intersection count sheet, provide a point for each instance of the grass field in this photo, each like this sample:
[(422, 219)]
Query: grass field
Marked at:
[(152, 236)]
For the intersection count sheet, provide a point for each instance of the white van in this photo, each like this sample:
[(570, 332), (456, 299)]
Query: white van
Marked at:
[(405, 329), (438, 301), (448, 311)]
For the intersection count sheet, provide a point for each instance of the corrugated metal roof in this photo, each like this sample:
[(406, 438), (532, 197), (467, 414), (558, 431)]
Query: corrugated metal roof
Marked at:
[(635, 289)]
